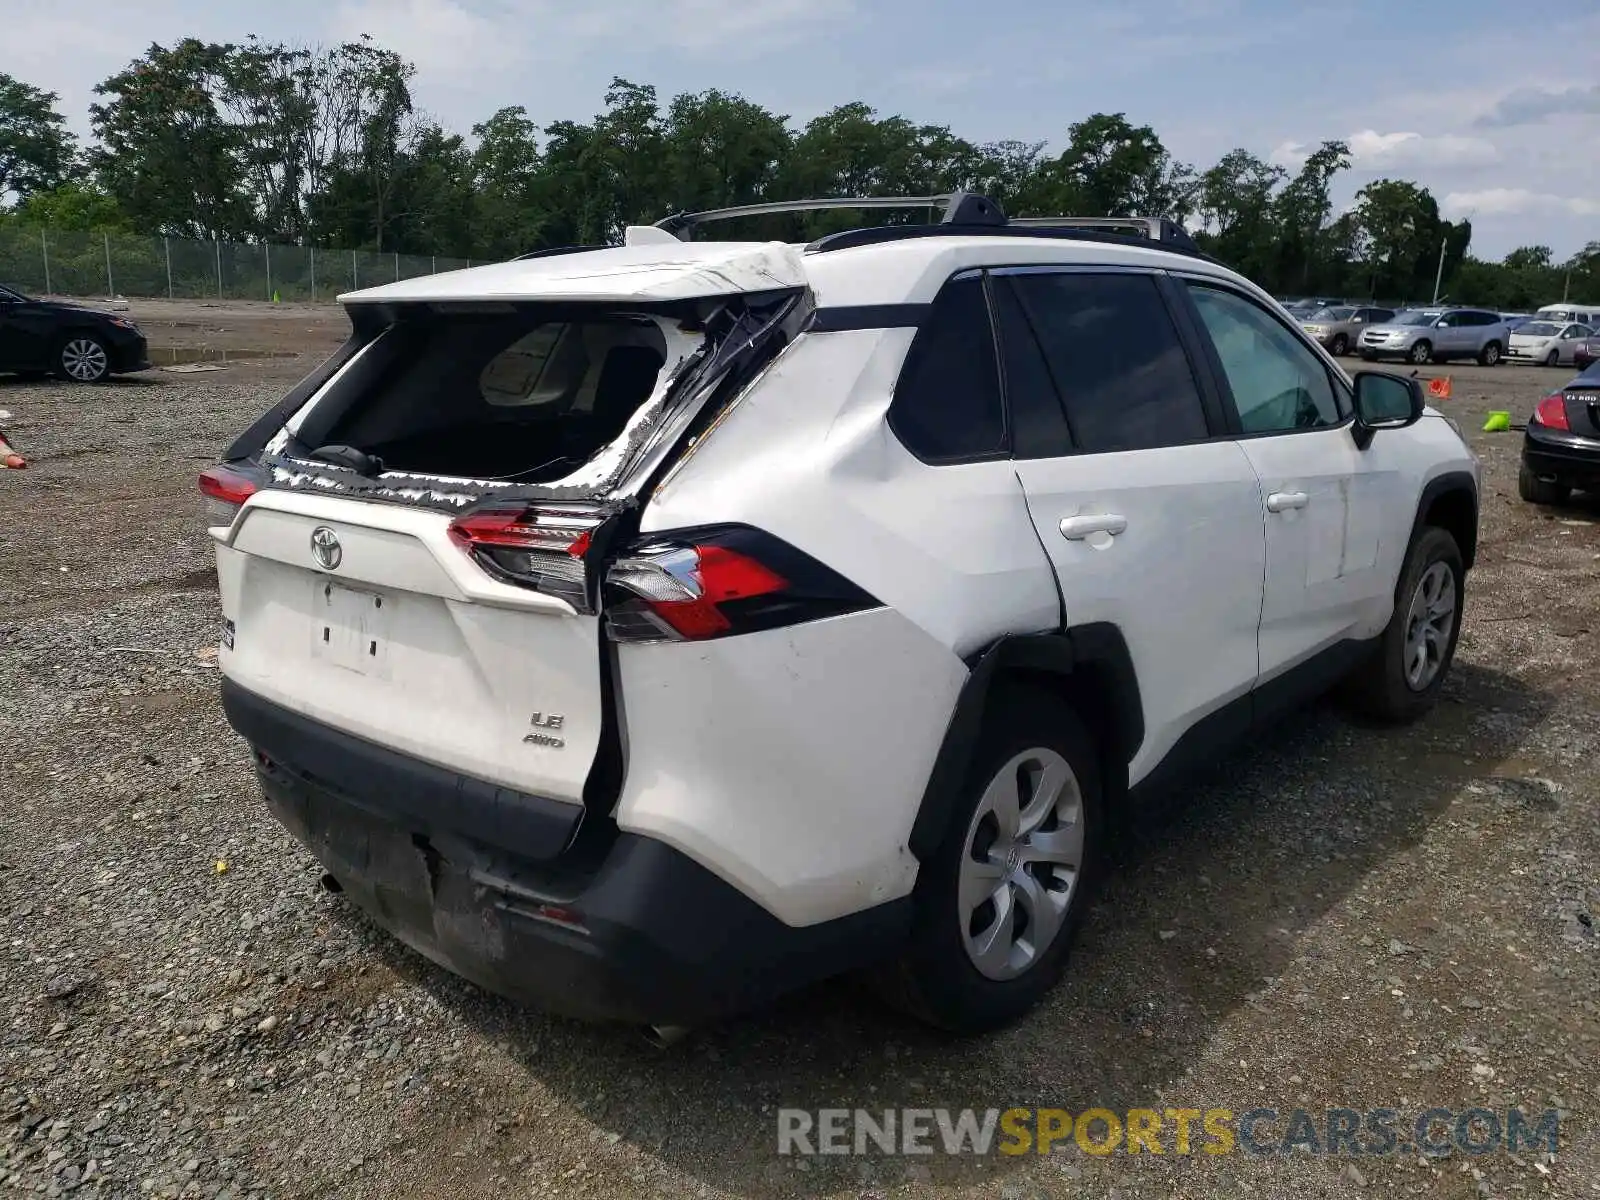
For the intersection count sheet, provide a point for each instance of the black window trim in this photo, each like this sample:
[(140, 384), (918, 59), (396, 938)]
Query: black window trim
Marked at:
[(1003, 452), (1344, 397)]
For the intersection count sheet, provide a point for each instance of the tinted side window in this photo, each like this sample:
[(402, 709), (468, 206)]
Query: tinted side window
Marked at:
[(1278, 384), (1115, 358), (947, 402), (1038, 422)]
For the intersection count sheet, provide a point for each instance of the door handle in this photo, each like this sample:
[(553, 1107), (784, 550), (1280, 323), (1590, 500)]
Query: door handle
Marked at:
[(1283, 501), (1075, 529)]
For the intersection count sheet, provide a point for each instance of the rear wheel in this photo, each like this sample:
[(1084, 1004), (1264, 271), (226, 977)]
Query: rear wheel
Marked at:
[(998, 904), (1421, 353), (1538, 491), (83, 358), (1402, 678), (1489, 356)]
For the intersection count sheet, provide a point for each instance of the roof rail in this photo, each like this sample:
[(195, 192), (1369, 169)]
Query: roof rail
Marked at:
[(958, 208), (1157, 229)]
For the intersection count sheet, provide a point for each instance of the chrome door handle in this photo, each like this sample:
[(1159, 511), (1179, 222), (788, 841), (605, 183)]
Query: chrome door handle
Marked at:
[(1075, 529), (1283, 501)]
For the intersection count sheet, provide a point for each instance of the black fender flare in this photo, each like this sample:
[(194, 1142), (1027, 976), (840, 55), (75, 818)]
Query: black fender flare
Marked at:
[(1095, 654), (1441, 485)]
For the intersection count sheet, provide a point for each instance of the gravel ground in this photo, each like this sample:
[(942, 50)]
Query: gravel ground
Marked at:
[(1340, 917)]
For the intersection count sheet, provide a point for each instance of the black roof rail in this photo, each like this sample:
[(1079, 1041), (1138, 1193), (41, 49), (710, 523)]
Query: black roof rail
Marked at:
[(851, 238), (1157, 229), (964, 208)]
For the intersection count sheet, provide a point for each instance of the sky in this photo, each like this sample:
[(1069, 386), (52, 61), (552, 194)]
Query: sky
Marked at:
[(1499, 119)]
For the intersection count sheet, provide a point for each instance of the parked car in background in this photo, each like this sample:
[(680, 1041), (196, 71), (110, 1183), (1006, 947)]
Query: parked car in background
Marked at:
[(1338, 327), (1547, 343), (1565, 312), (42, 337), (1586, 352), (1424, 335), (1513, 320), (1308, 305), (1561, 448)]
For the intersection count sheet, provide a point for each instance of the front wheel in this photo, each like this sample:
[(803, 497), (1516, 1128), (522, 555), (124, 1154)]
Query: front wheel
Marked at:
[(1401, 679), (83, 358), (1421, 353), (1341, 345), (1553, 359), (998, 904), (1489, 356)]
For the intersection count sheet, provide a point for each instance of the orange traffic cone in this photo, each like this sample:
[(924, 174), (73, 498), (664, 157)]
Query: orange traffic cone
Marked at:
[(1439, 389), (9, 458)]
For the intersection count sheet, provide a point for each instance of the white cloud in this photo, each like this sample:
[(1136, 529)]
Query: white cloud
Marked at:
[(1374, 151), (1517, 202), (445, 41)]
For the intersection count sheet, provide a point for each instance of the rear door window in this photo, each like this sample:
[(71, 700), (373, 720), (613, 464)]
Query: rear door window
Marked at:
[(946, 405), (1113, 355)]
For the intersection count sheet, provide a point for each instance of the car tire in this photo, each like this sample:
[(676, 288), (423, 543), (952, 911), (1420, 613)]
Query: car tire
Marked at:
[(1537, 491), (952, 976), (1553, 359), (1421, 354), (1341, 345), (1393, 685), (83, 358), (1489, 356)]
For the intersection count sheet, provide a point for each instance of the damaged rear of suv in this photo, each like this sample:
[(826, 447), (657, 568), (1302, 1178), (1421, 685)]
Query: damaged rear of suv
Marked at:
[(411, 553)]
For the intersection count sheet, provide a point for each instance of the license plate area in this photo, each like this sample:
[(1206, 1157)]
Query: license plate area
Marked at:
[(350, 628)]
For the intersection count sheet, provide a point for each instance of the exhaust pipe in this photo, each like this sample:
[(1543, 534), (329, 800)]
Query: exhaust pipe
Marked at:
[(664, 1037), (330, 884)]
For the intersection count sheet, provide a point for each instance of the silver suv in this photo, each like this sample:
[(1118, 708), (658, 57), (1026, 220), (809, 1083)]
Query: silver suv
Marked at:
[(1424, 335)]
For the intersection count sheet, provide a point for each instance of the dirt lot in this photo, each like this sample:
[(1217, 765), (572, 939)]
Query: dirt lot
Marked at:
[(1342, 917)]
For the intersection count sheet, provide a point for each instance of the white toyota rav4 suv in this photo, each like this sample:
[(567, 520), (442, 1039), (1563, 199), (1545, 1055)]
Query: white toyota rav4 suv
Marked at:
[(645, 631)]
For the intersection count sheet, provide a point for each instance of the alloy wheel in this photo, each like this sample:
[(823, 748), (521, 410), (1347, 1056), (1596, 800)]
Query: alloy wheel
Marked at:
[(84, 360), (1430, 621), (1020, 865)]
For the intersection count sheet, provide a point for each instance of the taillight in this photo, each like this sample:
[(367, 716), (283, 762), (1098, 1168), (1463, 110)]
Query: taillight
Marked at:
[(711, 583), (1551, 412), (225, 490), (542, 547)]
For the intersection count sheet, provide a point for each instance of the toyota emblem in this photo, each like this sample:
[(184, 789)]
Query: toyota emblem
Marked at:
[(325, 548)]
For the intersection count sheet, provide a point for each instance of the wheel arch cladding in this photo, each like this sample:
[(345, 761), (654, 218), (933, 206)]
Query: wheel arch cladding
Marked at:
[(1089, 666), (1451, 503)]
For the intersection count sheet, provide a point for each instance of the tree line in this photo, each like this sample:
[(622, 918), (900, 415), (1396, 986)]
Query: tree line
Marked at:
[(325, 146)]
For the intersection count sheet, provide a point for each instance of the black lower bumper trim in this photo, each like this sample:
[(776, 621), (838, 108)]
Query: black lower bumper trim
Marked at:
[(1571, 462), (648, 936)]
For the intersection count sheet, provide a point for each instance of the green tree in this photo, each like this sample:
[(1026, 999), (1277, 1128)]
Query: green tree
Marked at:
[(165, 151), (73, 207), (1303, 209), (36, 150)]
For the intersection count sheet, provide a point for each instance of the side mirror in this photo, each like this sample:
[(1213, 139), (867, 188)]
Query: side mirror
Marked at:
[(1385, 401)]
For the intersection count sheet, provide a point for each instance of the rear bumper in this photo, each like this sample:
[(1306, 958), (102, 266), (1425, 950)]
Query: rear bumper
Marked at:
[(1565, 459), (640, 933)]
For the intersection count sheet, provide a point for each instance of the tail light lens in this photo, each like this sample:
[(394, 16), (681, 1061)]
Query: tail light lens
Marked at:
[(225, 489), (711, 583), (1551, 412), (543, 548)]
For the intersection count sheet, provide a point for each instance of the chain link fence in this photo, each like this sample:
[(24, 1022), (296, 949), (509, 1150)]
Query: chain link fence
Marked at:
[(100, 264)]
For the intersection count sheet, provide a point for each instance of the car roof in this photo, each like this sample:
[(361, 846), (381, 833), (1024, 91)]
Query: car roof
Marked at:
[(901, 271)]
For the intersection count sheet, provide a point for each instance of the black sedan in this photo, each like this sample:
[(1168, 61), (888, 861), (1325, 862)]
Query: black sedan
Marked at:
[(1561, 450), (41, 337)]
